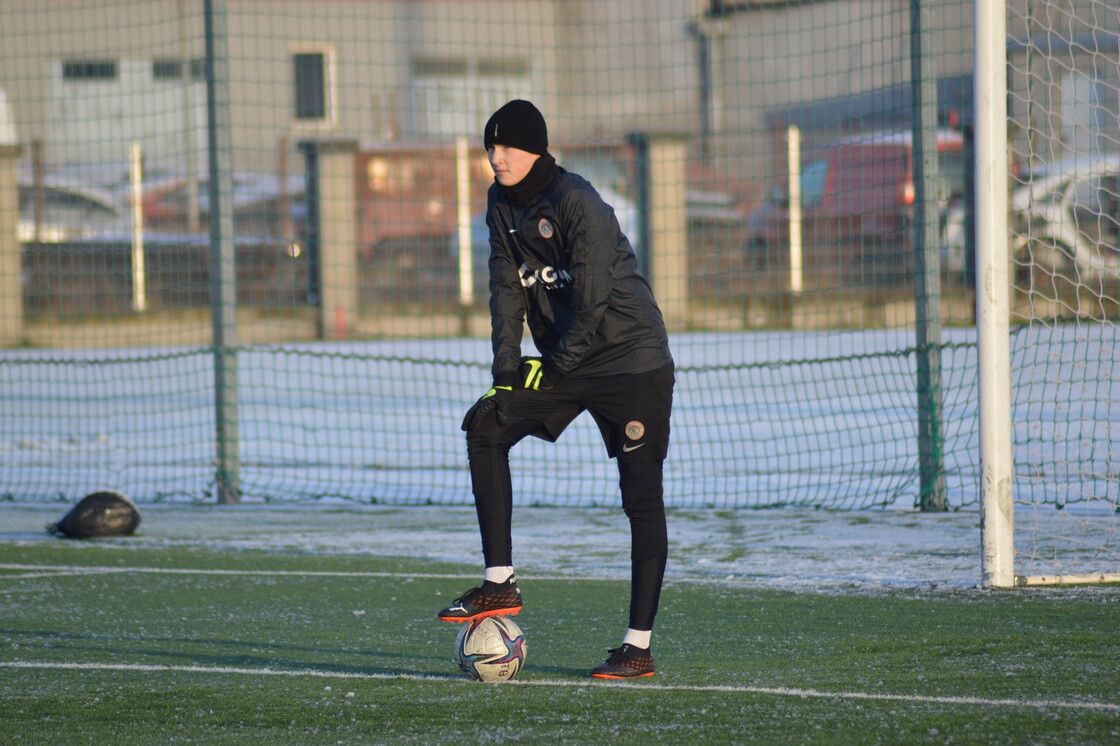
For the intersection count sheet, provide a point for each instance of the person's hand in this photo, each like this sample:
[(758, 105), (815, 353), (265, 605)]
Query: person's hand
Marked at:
[(496, 400), (531, 374)]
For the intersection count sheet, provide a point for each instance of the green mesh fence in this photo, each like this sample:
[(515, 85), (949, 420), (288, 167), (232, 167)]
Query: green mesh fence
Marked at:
[(822, 322)]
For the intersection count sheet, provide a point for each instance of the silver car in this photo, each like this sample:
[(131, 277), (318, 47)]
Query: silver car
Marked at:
[(1065, 220)]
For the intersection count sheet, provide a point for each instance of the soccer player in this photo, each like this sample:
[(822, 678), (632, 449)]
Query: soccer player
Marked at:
[(559, 260)]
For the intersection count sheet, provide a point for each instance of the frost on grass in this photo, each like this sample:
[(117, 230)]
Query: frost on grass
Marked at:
[(780, 549)]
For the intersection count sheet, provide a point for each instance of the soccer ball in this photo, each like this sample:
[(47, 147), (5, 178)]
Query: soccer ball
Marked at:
[(490, 649)]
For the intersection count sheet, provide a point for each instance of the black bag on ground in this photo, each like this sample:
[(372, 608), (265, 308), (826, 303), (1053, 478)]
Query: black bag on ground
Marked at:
[(104, 513)]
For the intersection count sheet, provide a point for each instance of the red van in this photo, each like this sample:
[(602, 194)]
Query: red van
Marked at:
[(857, 206)]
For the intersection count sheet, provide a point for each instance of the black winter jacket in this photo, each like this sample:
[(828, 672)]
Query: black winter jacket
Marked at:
[(564, 264)]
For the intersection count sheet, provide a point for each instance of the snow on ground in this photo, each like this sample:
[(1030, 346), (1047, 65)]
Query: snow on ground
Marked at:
[(860, 551)]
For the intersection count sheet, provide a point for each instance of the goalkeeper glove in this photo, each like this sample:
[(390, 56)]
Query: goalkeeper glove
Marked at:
[(531, 374), (496, 400)]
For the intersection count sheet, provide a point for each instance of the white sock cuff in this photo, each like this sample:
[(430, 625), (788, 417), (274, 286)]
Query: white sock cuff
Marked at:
[(639, 638), (499, 574)]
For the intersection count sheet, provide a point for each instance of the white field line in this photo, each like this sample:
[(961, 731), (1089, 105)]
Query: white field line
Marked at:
[(581, 683), (40, 571), (58, 571)]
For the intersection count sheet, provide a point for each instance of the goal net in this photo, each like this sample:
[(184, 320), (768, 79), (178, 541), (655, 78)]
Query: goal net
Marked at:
[(1063, 64)]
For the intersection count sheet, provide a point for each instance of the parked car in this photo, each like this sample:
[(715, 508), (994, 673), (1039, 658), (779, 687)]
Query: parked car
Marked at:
[(263, 205), (856, 192), (954, 238), (258, 199), (66, 211), (1065, 220)]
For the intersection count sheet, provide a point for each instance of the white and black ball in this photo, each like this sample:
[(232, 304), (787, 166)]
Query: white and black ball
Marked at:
[(490, 649)]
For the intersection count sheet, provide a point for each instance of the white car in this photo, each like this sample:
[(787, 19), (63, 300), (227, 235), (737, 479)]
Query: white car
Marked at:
[(60, 210), (954, 239), (1066, 220)]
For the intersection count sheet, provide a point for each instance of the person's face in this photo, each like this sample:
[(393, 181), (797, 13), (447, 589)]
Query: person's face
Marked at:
[(510, 164)]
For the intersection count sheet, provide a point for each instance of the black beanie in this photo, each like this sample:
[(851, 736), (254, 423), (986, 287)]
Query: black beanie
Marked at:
[(519, 125)]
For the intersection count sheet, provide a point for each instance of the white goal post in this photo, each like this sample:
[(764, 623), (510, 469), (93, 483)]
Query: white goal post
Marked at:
[(992, 301)]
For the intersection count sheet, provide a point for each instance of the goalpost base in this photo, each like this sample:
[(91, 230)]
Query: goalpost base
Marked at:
[(1104, 577)]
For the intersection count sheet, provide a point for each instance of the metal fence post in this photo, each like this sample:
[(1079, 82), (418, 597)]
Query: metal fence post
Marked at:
[(334, 274), (311, 231), (927, 263), (223, 265), (662, 200), (11, 273)]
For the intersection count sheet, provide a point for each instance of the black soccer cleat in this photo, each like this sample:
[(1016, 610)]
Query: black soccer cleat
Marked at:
[(492, 599), (626, 662)]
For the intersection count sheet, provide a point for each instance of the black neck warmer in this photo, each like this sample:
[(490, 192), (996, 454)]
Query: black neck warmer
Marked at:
[(528, 189)]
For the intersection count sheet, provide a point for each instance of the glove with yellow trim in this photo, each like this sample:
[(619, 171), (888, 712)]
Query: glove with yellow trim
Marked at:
[(496, 400), (531, 374)]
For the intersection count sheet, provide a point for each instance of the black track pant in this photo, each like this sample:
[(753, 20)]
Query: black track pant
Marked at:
[(632, 412)]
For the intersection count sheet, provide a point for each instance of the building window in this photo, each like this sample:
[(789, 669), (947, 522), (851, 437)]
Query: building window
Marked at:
[(451, 95), (429, 67), (313, 71), (89, 70), (173, 70)]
